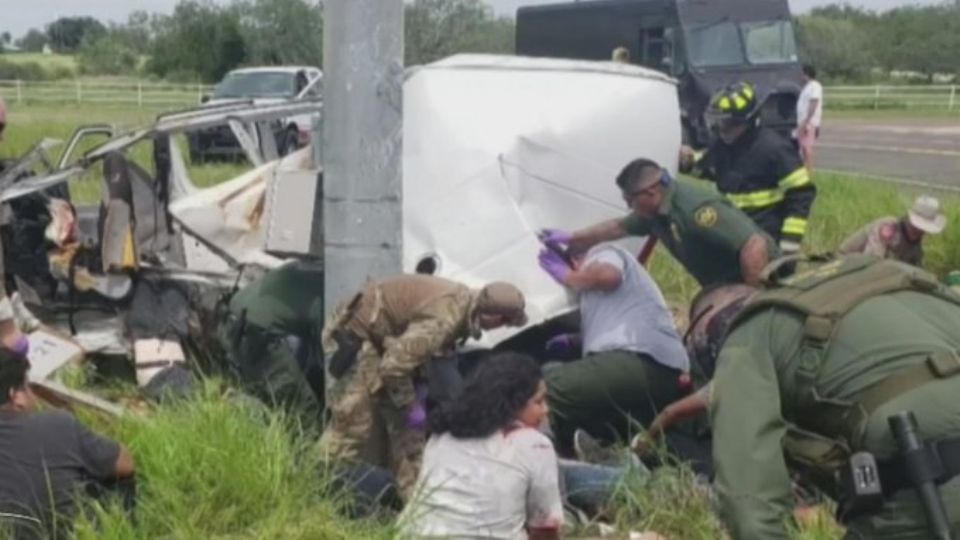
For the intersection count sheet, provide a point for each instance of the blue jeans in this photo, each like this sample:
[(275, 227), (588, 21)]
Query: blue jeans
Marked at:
[(587, 486)]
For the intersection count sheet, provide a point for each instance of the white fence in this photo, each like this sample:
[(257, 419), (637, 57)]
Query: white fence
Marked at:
[(943, 97), (148, 94), (129, 93)]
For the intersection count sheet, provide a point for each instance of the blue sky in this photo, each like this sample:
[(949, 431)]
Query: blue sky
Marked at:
[(36, 13)]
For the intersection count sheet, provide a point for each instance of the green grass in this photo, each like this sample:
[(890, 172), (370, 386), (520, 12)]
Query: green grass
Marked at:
[(217, 467), (48, 61), (892, 114)]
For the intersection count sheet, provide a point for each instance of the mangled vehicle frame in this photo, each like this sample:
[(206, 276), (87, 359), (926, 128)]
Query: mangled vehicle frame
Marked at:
[(495, 148), (126, 277)]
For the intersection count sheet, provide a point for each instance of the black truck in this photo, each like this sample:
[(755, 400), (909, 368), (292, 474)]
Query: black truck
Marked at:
[(704, 44)]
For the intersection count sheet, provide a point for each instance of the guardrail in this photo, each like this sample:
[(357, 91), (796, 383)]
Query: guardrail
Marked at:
[(132, 93), (935, 97)]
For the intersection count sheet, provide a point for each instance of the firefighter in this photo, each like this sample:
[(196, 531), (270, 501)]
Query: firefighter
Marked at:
[(756, 168)]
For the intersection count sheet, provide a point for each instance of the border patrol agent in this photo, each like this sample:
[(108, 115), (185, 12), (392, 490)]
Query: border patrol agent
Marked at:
[(807, 378), (757, 169), (271, 337), (376, 345), (714, 241)]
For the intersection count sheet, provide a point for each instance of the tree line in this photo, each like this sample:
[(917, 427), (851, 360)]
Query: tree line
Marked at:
[(202, 40), (855, 45)]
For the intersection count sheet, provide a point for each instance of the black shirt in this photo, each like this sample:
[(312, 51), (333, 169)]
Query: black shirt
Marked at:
[(45, 457)]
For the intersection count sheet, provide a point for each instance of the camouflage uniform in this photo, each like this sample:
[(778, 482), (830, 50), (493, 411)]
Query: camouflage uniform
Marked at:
[(884, 238), (402, 323)]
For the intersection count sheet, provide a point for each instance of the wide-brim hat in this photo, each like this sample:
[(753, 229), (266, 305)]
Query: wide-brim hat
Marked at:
[(925, 215)]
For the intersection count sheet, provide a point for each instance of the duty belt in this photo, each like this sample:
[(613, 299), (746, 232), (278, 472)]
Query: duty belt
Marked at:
[(942, 457)]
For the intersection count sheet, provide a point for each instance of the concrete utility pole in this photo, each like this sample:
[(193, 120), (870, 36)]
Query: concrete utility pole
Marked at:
[(362, 143)]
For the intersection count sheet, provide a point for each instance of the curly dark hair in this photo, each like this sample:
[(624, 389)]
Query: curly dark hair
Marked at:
[(13, 373), (493, 396)]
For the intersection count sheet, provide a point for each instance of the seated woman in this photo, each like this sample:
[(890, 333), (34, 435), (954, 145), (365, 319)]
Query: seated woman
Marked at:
[(487, 471)]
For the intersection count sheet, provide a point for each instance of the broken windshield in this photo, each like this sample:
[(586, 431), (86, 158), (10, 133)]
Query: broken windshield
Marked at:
[(258, 84), (726, 43)]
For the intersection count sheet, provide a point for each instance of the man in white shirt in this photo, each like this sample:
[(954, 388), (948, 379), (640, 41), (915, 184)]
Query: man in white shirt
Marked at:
[(633, 356), (809, 114)]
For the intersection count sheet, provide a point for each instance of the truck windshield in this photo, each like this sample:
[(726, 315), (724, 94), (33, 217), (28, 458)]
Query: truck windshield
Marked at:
[(769, 42), (256, 84), (724, 43)]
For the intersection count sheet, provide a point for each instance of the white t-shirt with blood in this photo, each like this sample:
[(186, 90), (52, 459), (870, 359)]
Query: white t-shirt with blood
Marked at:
[(494, 487)]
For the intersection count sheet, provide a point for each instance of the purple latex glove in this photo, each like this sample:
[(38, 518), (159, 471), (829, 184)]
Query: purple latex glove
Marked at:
[(555, 236), (417, 415), (560, 344), (21, 346), (553, 264)]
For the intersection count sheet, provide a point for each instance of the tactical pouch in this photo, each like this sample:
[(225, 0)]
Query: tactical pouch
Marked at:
[(348, 346), (816, 457)]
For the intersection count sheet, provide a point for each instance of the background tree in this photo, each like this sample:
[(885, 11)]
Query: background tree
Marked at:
[(66, 34), (110, 54), (283, 32), (439, 28), (838, 47), (33, 41), (199, 40)]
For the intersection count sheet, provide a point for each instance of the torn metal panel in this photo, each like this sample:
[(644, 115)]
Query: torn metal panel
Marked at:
[(249, 140), (49, 352), (231, 216), (61, 396), (497, 148)]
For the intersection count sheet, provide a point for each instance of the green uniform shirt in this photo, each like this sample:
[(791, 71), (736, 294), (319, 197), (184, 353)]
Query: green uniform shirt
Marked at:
[(287, 300), (702, 230), (754, 391)]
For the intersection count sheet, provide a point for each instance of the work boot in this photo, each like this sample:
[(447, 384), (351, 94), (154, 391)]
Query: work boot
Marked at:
[(589, 450)]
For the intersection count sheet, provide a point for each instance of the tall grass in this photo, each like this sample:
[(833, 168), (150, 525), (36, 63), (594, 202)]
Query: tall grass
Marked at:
[(215, 467)]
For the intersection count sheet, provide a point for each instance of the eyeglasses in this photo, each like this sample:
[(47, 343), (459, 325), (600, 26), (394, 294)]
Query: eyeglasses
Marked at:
[(629, 197)]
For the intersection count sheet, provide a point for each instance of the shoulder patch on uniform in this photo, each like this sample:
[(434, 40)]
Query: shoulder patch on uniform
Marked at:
[(706, 217)]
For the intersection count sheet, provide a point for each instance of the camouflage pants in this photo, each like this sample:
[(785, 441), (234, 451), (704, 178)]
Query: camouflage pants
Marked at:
[(364, 425)]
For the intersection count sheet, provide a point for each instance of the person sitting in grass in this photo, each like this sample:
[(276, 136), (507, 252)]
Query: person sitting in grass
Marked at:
[(899, 238), (46, 458), (487, 471)]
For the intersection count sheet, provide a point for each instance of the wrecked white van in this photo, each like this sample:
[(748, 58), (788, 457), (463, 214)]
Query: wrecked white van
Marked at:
[(495, 148)]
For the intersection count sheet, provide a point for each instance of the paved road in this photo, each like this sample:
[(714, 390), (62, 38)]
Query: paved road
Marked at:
[(926, 150)]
